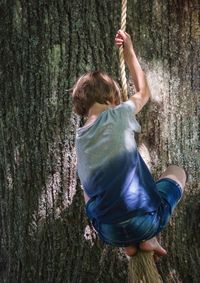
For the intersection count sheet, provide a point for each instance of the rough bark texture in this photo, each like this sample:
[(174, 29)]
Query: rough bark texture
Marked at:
[(45, 45)]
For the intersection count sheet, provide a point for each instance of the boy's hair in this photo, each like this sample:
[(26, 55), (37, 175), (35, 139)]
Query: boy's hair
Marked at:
[(94, 87)]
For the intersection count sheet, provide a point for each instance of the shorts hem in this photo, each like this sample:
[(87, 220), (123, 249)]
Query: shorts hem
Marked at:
[(174, 183)]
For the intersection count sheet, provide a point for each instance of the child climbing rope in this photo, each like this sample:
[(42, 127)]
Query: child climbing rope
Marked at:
[(126, 206)]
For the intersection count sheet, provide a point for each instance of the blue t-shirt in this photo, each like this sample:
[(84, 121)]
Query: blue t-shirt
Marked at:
[(110, 168)]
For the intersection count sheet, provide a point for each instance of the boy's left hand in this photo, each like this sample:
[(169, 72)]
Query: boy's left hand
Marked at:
[(123, 39)]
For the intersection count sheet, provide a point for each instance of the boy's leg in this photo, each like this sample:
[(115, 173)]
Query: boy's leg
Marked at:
[(177, 174)]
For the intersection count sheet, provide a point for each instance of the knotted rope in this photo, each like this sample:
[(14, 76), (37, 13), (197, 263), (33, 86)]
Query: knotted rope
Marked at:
[(121, 53)]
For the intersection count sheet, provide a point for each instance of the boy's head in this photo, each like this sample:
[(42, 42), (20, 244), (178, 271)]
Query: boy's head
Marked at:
[(94, 87)]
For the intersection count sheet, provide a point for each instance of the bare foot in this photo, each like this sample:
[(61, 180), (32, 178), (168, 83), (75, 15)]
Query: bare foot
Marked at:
[(153, 245), (130, 251)]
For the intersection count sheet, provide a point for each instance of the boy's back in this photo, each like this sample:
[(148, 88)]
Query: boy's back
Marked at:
[(111, 169)]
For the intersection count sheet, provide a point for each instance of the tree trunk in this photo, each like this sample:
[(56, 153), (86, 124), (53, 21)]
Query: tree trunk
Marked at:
[(45, 46)]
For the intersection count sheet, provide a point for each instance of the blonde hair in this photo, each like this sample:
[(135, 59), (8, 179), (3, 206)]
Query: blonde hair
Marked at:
[(94, 87)]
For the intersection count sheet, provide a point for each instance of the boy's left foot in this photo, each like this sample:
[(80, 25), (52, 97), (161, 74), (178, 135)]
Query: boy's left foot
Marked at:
[(153, 245), (130, 251)]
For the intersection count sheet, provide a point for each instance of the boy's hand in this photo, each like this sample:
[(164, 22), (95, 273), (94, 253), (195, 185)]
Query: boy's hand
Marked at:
[(123, 39)]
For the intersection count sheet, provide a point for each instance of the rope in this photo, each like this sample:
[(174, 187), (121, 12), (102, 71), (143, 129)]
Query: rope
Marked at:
[(121, 53), (142, 268)]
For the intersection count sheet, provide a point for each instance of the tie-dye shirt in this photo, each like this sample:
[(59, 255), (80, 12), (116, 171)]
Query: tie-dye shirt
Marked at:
[(110, 168)]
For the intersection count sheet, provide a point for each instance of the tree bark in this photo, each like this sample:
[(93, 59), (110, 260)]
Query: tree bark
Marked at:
[(45, 46)]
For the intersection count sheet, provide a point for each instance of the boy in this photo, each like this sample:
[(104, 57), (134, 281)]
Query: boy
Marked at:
[(126, 206)]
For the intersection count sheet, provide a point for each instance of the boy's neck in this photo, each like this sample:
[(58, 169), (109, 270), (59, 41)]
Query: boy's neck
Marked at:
[(95, 110)]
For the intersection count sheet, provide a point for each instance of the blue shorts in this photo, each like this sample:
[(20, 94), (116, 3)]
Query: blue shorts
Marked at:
[(144, 227)]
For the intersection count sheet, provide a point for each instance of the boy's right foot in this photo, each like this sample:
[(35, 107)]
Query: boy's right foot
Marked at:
[(153, 245), (131, 250)]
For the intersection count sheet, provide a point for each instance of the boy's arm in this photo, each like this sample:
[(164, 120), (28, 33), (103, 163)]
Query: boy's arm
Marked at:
[(142, 95)]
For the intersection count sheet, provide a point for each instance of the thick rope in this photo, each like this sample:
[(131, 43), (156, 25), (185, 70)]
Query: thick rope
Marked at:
[(142, 268), (121, 53)]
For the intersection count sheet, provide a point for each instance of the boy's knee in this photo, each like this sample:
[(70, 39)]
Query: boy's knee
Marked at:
[(176, 168), (179, 174)]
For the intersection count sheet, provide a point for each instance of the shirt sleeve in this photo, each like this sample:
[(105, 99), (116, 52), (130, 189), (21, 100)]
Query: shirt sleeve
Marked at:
[(127, 112), (129, 105)]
